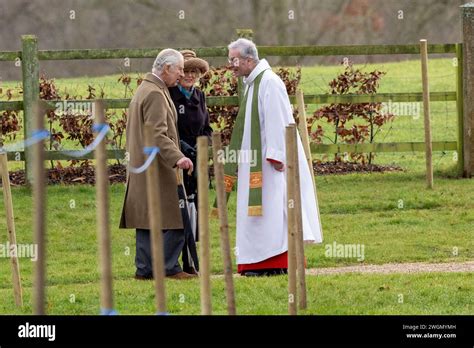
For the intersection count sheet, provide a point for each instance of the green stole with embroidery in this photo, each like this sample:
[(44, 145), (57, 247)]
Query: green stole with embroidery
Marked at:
[(230, 168)]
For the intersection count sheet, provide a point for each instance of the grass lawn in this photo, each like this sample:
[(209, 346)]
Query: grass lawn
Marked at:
[(415, 294), (431, 226)]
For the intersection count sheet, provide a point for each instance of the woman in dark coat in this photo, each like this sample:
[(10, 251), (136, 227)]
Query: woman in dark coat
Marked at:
[(193, 121)]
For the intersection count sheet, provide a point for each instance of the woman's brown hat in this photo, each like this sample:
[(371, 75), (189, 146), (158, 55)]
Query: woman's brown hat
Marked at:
[(192, 62)]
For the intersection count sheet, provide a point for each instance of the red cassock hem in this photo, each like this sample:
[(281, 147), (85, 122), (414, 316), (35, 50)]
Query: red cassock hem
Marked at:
[(277, 261), (273, 161)]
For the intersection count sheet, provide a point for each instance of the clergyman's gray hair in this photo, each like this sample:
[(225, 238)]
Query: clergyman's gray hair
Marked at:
[(246, 48), (167, 56)]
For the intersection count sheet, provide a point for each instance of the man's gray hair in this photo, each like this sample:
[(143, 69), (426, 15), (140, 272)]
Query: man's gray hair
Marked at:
[(246, 48), (167, 56)]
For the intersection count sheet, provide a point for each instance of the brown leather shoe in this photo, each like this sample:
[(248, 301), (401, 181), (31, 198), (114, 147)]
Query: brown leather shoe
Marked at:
[(182, 276)]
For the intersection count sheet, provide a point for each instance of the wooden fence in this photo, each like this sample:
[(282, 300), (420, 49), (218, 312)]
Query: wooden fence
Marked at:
[(30, 57)]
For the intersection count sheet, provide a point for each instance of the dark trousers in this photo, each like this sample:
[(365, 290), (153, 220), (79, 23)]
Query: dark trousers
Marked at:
[(173, 241)]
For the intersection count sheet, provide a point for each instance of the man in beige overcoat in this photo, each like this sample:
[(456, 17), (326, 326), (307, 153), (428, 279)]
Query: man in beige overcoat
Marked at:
[(152, 105)]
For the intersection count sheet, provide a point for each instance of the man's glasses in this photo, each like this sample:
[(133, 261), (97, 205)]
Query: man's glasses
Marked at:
[(234, 61)]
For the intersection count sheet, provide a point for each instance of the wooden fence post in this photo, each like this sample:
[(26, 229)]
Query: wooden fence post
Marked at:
[(39, 204), (468, 86), (223, 222), (302, 126), (7, 199), (30, 75), (300, 259), (203, 220), (459, 109), (426, 111), (103, 228), (155, 203), (291, 161)]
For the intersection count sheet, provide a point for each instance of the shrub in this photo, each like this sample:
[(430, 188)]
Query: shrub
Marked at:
[(353, 123)]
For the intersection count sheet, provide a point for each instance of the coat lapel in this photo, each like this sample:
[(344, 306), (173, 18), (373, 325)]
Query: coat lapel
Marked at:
[(155, 80), (171, 104)]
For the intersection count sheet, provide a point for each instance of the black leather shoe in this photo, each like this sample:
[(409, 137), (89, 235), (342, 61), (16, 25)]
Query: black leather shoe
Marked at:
[(140, 277), (253, 274), (190, 270), (265, 272)]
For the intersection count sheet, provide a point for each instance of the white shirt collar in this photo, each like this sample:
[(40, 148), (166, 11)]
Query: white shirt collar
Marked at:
[(262, 65)]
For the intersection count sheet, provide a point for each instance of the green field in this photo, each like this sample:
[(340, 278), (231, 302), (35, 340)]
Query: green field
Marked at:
[(392, 214), (427, 294), (430, 226)]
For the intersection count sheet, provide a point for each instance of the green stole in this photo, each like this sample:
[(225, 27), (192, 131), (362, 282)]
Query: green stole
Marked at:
[(230, 168)]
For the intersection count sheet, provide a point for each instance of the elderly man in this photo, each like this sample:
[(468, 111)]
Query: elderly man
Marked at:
[(152, 105), (259, 129)]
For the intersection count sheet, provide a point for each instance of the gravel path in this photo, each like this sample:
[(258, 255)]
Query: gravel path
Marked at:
[(388, 268)]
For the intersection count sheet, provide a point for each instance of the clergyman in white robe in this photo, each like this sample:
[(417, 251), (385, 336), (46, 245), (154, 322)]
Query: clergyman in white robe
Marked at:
[(262, 237)]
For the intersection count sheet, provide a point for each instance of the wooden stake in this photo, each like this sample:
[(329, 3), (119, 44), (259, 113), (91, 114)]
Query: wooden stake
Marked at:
[(467, 88), (39, 203), (7, 199), (223, 222), (426, 109), (307, 148), (203, 218), (154, 213), (299, 236), (460, 109), (103, 229), (292, 220), (31, 76)]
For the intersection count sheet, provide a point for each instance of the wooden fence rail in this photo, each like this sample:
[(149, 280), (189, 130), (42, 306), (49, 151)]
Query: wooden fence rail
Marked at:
[(234, 101), (281, 51), (119, 154), (30, 57)]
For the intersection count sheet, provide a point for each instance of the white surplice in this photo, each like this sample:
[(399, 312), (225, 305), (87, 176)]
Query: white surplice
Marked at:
[(261, 237)]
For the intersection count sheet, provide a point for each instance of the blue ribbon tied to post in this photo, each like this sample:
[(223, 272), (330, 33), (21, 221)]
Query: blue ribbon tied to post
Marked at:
[(36, 136), (102, 129), (151, 152)]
